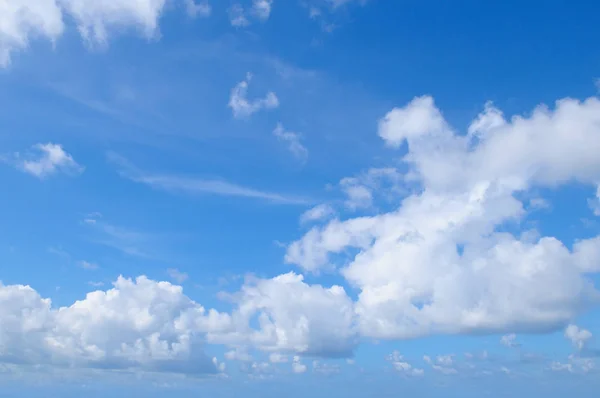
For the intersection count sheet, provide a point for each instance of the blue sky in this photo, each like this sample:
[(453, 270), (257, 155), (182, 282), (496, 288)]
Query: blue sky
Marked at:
[(304, 197)]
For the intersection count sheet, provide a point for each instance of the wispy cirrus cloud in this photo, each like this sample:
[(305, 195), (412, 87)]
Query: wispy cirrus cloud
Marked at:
[(196, 185)]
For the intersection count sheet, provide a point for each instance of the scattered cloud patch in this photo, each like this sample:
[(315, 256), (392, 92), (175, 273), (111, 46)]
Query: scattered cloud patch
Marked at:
[(292, 140), (198, 9), (242, 107), (402, 366), (509, 340), (45, 160)]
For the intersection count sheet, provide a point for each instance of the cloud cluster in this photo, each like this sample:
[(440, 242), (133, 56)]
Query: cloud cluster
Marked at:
[(440, 262), (138, 324)]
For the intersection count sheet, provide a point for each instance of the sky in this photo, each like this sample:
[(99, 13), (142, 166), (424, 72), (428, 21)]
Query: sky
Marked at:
[(304, 197)]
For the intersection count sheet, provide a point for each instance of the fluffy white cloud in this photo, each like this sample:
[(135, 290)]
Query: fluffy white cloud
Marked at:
[(138, 324), (579, 337), (22, 20), (242, 107), (46, 160), (292, 140), (293, 317), (438, 263)]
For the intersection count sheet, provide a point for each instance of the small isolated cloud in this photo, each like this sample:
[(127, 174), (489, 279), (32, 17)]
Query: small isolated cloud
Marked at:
[(292, 140), (237, 16), (240, 17), (87, 265), (195, 9), (96, 284), (45, 160), (578, 337), (262, 9), (317, 213), (177, 275), (298, 366), (242, 107)]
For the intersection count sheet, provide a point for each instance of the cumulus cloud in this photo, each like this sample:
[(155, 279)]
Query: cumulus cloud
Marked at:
[(242, 107), (438, 263), (138, 324), (579, 337), (45, 160), (294, 317), (292, 140)]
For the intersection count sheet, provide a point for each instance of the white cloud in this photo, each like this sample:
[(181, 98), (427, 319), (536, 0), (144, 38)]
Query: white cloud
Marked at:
[(442, 364), (240, 17), (437, 263), (298, 366), (419, 118), (195, 9), (177, 275), (46, 160), (262, 8), (317, 213), (402, 366), (198, 186), (242, 107), (23, 20), (362, 190), (138, 324), (579, 337), (292, 140), (237, 16), (96, 18), (321, 323)]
